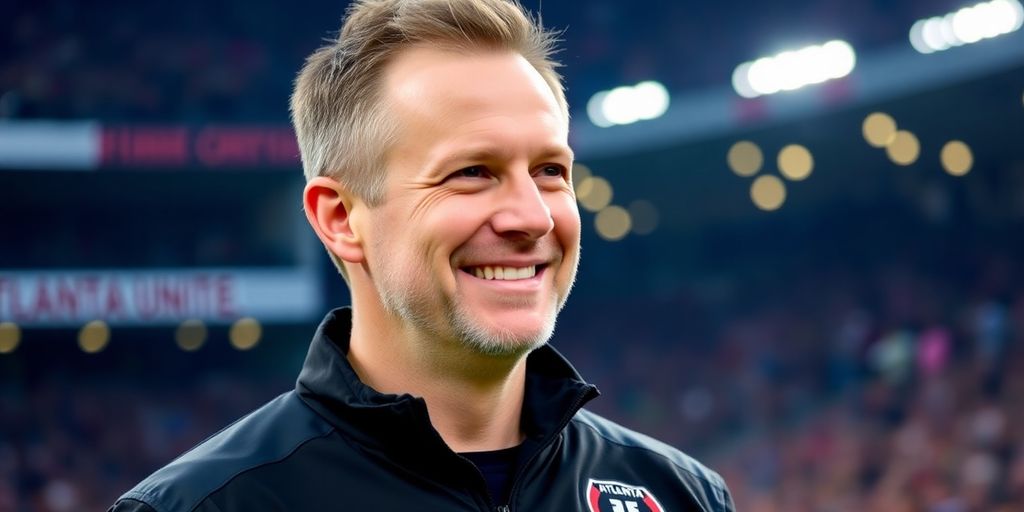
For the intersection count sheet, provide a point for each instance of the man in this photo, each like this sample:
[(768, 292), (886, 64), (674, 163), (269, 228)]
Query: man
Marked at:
[(434, 140)]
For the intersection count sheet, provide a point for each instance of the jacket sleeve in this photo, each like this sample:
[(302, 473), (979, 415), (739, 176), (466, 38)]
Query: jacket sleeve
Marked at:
[(727, 503), (129, 505)]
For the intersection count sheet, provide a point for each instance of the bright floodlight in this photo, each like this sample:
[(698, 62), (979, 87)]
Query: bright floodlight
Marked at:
[(917, 38), (628, 104), (945, 28), (620, 107), (651, 99), (791, 70), (764, 76), (741, 81), (595, 110), (839, 59), (968, 25)]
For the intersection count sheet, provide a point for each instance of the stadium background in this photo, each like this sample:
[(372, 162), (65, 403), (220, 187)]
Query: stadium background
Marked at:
[(827, 311)]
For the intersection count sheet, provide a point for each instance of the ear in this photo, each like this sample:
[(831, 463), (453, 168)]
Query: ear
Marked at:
[(328, 208)]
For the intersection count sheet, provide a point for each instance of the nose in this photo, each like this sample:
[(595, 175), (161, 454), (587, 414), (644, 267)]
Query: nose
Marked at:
[(522, 211)]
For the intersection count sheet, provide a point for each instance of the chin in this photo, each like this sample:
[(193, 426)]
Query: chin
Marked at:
[(502, 342)]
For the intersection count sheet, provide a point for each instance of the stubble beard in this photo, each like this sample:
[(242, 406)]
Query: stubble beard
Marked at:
[(415, 306)]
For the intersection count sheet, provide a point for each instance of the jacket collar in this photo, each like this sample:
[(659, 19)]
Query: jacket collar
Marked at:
[(398, 425)]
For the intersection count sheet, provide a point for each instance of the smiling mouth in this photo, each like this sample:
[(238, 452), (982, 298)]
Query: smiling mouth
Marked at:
[(499, 273)]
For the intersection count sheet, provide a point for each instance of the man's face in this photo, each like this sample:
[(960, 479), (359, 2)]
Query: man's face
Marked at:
[(477, 240)]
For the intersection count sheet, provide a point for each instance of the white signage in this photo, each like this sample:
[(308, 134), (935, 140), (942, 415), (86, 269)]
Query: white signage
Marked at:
[(143, 297)]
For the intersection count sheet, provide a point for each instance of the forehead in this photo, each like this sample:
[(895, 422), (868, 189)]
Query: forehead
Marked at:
[(434, 92), (415, 70)]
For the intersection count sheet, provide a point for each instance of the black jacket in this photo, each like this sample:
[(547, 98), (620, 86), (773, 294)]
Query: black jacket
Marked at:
[(334, 444)]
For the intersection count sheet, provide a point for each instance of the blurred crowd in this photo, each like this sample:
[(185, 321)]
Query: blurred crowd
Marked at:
[(192, 61), (886, 391), (944, 443), (880, 385), (927, 417), (151, 62), (77, 444), (889, 390), (231, 220)]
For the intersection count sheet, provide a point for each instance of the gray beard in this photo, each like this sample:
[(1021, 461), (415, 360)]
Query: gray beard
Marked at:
[(501, 344), (415, 309)]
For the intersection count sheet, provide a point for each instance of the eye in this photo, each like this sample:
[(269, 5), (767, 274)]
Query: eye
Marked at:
[(552, 171), (475, 171)]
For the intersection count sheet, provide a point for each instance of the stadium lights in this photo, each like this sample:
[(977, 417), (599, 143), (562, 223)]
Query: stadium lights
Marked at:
[(788, 71), (967, 25), (245, 333), (956, 158), (613, 223), (10, 337), (628, 104)]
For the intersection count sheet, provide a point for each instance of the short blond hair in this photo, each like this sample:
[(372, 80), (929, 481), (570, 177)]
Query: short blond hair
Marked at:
[(343, 130)]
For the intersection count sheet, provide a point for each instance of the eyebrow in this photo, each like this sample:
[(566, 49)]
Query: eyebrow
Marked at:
[(490, 153)]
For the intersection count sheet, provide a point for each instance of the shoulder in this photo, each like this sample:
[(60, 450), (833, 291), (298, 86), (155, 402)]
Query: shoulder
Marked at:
[(608, 440), (268, 435)]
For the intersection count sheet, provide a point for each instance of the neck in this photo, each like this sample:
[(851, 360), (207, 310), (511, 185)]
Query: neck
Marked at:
[(474, 400)]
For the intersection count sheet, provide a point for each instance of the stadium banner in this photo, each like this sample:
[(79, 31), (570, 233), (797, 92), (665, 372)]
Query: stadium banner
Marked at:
[(885, 75), (90, 146), (67, 298)]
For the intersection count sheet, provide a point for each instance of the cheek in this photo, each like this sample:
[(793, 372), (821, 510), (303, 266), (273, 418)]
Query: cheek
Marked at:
[(567, 218), (450, 225), (396, 243)]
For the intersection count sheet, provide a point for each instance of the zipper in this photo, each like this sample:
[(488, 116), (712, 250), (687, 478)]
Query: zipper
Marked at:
[(551, 439), (487, 492)]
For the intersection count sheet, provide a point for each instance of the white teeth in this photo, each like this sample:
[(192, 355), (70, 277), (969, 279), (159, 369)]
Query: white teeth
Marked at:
[(505, 273)]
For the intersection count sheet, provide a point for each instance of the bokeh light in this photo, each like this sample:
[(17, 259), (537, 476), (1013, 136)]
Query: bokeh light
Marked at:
[(94, 336), (245, 333), (745, 158), (191, 335), (594, 193), (791, 70), (795, 162), (613, 223), (595, 110), (879, 129), (904, 148), (10, 337), (768, 192), (628, 104), (580, 172), (967, 25), (956, 158)]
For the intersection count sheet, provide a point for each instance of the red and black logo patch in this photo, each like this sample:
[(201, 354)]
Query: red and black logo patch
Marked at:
[(611, 496)]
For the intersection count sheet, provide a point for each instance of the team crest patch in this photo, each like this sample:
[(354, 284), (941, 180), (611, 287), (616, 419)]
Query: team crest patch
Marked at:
[(612, 496)]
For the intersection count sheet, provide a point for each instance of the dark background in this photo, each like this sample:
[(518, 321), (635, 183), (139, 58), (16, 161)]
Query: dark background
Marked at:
[(857, 349)]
